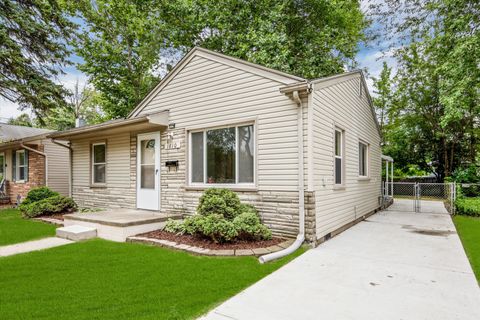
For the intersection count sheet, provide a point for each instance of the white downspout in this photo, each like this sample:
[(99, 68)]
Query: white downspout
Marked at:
[(301, 193), (42, 154)]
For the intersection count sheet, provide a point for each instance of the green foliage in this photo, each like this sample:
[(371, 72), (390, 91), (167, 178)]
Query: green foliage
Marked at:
[(470, 174), (219, 201), (249, 227), (37, 194), (33, 37), (51, 205), (468, 206), (120, 44), (436, 102), (221, 217), (22, 120)]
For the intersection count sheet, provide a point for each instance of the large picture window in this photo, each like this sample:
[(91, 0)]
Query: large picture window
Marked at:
[(99, 163), (362, 159), (223, 155), (338, 157)]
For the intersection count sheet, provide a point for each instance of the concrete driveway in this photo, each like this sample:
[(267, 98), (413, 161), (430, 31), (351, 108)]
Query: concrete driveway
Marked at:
[(394, 265)]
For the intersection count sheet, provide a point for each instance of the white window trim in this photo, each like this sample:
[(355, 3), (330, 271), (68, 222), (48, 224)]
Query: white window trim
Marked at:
[(17, 166), (342, 157), (367, 160), (241, 185), (93, 163)]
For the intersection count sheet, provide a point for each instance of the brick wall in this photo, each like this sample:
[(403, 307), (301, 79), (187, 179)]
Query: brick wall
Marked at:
[(36, 175)]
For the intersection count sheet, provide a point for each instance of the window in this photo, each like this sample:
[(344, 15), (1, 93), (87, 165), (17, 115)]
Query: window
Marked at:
[(338, 157), (99, 163), (21, 166), (222, 156), (362, 159)]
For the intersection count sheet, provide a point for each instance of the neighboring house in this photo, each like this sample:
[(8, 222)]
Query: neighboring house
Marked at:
[(217, 121), (28, 159)]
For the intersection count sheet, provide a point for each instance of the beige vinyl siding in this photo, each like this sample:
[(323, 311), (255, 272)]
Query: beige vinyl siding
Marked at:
[(58, 167), (118, 161), (343, 104), (207, 93)]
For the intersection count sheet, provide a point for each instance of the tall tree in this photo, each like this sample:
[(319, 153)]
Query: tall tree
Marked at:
[(127, 44), (437, 100), (22, 120), (33, 49), (120, 44), (383, 95)]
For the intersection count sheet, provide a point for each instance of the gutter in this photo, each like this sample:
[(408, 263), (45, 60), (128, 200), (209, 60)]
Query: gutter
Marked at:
[(42, 154), (70, 172), (301, 191)]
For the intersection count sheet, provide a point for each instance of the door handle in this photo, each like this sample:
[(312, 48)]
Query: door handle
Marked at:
[(156, 171)]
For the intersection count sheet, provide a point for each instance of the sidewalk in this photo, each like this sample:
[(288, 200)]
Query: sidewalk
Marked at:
[(35, 245)]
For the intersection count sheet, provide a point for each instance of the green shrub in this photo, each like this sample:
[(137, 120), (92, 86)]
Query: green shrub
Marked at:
[(48, 206), (217, 228), (219, 201), (38, 194), (468, 206), (221, 217), (249, 227)]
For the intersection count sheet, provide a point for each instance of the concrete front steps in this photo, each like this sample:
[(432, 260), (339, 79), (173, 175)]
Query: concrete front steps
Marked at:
[(76, 233), (119, 224)]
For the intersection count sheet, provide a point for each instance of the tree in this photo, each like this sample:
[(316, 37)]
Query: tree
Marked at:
[(437, 100), (33, 35), (384, 94), (126, 45), (22, 120), (83, 103), (120, 44), (309, 38)]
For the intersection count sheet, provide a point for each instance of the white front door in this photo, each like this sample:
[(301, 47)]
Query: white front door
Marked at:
[(148, 171)]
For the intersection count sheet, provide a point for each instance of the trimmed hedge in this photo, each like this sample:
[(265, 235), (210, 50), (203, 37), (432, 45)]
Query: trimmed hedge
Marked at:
[(468, 206), (221, 217), (43, 201), (38, 194)]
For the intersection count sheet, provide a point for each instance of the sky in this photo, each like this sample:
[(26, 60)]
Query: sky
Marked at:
[(370, 58)]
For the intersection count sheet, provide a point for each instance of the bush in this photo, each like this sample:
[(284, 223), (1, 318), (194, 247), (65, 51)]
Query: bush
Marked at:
[(48, 206), (249, 227), (38, 194), (468, 206), (219, 201), (222, 218)]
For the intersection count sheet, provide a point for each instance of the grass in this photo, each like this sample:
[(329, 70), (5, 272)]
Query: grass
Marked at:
[(99, 279), (15, 229), (468, 229)]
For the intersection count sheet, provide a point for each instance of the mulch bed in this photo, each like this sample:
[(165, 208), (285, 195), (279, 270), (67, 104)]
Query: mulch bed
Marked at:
[(207, 243)]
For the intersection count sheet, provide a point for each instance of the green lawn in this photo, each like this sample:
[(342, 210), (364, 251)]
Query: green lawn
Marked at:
[(468, 229), (99, 279), (15, 229)]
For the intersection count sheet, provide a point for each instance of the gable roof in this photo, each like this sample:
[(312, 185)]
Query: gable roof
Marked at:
[(273, 74), (9, 132)]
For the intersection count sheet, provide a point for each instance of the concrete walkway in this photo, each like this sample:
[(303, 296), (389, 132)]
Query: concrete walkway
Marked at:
[(35, 245), (394, 265)]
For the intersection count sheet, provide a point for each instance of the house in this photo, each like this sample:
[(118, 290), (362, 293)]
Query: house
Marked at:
[(29, 159), (217, 121)]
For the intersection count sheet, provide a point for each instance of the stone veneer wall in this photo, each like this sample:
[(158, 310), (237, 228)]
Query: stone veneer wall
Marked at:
[(278, 209), (36, 175)]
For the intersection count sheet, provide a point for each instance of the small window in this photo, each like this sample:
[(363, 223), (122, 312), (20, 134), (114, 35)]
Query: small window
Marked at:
[(338, 157), (21, 169), (223, 155), (362, 159), (99, 163)]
